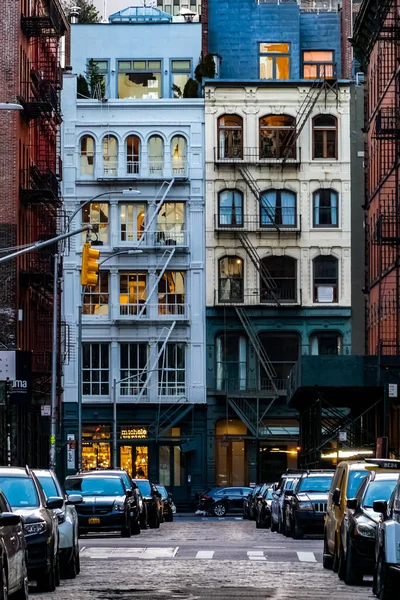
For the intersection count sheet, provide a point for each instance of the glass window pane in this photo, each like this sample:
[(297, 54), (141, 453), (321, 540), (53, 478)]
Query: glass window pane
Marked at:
[(139, 65), (282, 67), (310, 71), (318, 56), (101, 64), (154, 64), (146, 85), (266, 67), (124, 65), (274, 47), (181, 65), (165, 465), (179, 81)]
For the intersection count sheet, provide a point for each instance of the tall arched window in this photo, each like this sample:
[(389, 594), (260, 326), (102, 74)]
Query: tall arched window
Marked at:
[(110, 155), (325, 279), (276, 136), (278, 207), (132, 154), (325, 137), (278, 281), (156, 155), (230, 208), (325, 208), (230, 273), (178, 155), (230, 137), (87, 155)]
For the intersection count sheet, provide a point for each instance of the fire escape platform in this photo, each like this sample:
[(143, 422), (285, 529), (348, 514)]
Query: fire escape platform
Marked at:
[(345, 381)]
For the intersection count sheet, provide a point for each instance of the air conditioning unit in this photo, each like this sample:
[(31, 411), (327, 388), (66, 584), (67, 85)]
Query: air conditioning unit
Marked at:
[(360, 78)]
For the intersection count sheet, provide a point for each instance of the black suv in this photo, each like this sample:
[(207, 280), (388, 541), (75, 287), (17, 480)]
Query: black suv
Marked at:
[(130, 485), (107, 504), (152, 499), (306, 508), (27, 498)]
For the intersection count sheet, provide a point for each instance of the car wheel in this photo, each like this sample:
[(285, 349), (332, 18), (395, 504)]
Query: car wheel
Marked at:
[(219, 510), (68, 568), (342, 564), (170, 517), (78, 562), (154, 521), (47, 581), (126, 532), (298, 533), (244, 513), (384, 580), (23, 592), (4, 581), (327, 559), (273, 526), (135, 527), (57, 573), (352, 573), (143, 520), (284, 528)]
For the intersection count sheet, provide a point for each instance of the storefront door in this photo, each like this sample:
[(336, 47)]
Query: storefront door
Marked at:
[(135, 460), (173, 470)]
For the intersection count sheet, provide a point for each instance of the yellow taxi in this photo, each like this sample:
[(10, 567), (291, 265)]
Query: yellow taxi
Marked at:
[(345, 484)]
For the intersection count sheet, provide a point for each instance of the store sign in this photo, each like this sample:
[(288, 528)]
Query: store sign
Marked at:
[(21, 386), (133, 433), (71, 442)]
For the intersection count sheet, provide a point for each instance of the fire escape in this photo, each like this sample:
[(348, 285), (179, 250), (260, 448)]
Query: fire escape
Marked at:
[(40, 173)]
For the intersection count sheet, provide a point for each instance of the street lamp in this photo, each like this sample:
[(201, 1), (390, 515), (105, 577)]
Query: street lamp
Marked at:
[(10, 106)]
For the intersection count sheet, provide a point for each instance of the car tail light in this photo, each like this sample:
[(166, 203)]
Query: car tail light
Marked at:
[(207, 497)]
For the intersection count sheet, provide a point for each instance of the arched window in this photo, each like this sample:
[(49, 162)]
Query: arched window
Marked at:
[(325, 279), (325, 137), (178, 155), (156, 155), (230, 208), (230, 273), (282, 271), (230, 137), (132, 155), (110, 155), (325, 208), (87, 155), (278, 207), (277, 136)]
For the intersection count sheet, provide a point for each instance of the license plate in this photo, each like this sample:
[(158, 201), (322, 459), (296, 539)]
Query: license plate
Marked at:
[(94, 521)]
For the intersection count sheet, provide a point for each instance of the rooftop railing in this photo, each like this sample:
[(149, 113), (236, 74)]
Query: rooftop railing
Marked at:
[(309, 5)]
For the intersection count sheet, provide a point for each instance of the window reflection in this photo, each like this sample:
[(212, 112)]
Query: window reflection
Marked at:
[(171, 224), (132, 221), (132, 293)]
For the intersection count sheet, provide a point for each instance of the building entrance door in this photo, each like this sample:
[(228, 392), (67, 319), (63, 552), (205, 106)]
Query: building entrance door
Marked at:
[(135, 460)]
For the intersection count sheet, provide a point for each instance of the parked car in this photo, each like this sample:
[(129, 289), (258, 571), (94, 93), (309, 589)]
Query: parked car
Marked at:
[(387, 547), (307, 503), (14, 572), (107, 504), (263, 508), (347, 480), (129, 485), (250, 501), (167, 504), (285, 529), (220, 501), (152, 499), (285, 483), (358, 531), (67, 523), (28, 500)]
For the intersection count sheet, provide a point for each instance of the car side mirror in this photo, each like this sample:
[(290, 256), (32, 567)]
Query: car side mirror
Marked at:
[(74, 499), (129, 493), (352, 503), (336, 497), (289, 493), (380, 506), (54, 502), (9, 519)]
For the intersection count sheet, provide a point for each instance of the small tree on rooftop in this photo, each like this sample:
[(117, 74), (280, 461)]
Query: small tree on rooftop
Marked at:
[(205, 69)]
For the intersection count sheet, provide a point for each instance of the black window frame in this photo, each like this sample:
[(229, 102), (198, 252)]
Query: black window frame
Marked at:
[(237, 298), (323, 196), (319, 64), (326, 280), (232, 191), (265, 295), (278, 209)]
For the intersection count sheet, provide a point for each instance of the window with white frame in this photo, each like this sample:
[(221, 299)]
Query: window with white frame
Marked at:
[(326, 274), (133, 361), (132, 155), (132, 221), (95, 369), (95, 299), (96, 214), (132, 293), (140, 79), (181, 71), (325, 208), (110, 155), (171, 224), (156, 155), (171, 370), (171, 293), (87, 155), (178, 155)]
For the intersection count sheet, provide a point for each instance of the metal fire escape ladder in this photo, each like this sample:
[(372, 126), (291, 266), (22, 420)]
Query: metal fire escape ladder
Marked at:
[(154, 365), (256, 191), (163, 191), (169, 418), (259, 265), (166, 256)]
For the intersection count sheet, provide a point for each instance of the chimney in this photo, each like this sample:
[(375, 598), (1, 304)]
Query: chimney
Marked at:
[(74, 14)]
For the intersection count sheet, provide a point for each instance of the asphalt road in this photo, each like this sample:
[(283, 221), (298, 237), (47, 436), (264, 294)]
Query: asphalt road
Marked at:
[(206, 559)]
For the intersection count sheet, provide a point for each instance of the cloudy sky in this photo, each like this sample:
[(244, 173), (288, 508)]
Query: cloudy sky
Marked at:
[(113, 6)]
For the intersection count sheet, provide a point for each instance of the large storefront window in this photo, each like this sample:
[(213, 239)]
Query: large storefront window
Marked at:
[(133, 454), (231, 453), (96, 447)]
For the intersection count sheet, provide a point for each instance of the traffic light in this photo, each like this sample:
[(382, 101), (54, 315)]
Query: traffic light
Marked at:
[(90, 266)]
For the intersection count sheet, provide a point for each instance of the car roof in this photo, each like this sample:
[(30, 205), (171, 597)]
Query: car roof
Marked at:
[(90, 475), (379, 475), (14, 471), (45, 472), (321, 474)]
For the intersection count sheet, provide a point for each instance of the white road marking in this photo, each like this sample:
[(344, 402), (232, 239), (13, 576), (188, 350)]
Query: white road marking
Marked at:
[(221, 518), (238, 518), (82, 549), (205, 554), (142, 553), (256, 555), (306, 557)]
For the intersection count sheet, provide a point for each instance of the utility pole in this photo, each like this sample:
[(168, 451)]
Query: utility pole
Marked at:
[(53, 417), (8, 421)]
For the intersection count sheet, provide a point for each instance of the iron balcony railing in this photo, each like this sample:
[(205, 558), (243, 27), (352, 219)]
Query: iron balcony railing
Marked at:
[(37, 184), (39, 97), (260, 156), (154, 239), (249, 385), (139, 311), (47, 18), (307, 5), (285, 293), (286, 219), (388, 123)]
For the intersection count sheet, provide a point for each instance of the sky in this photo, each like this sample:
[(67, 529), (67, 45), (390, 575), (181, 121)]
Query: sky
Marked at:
[(113, 6)]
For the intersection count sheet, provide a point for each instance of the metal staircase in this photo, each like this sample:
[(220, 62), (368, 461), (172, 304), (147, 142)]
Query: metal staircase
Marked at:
[(161, 267), (159, 200), (259, 265), (168, 417)]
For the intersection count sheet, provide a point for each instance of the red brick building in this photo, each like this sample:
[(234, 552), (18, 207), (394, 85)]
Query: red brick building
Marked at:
[(377, 46), (30, 202)]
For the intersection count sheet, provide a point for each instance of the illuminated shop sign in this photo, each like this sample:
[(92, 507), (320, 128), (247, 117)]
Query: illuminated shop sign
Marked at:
[(133, 433)]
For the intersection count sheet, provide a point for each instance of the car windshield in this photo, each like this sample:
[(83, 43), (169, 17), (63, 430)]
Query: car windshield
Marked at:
[(378, 490), (95, 486), (20, 492), (288, 484), (48, 485), (163, 492), (354, 482), (144, 487), (316, 484)]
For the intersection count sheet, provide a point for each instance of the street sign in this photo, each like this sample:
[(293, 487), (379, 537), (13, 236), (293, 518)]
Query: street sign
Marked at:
[(7, 365), (45, 410), (392, 390), (342, 436)]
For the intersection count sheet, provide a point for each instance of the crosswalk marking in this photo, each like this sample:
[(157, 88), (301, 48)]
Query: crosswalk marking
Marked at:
[(306, 556), (238, 518), (205, 554), (256, 555), (142, 553)]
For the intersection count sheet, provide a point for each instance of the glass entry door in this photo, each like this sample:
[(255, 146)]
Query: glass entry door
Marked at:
[(135, 460)]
